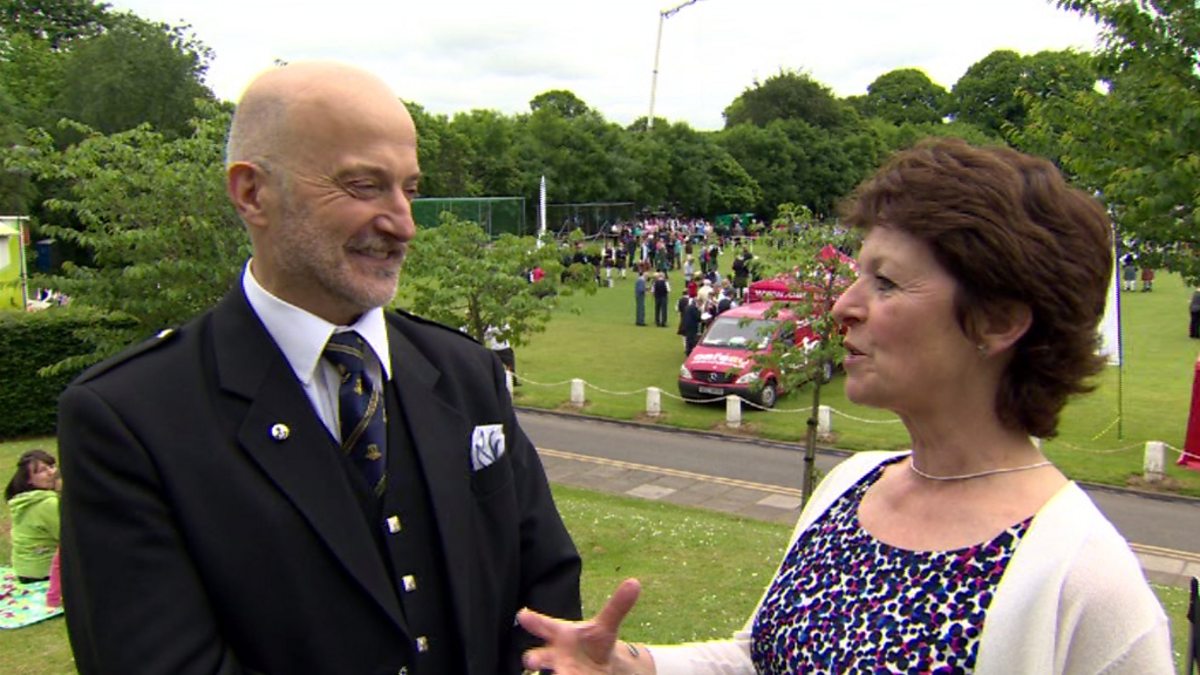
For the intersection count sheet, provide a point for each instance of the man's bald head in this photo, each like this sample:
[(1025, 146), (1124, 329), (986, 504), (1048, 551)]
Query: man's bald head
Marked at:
[(279, 103)]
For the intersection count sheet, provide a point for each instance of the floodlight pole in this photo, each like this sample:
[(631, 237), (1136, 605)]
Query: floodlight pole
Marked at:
[(662, 16)]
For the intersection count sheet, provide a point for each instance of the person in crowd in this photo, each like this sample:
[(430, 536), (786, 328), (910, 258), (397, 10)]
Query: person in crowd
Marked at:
[(741, 273), (662, 291), (1147, 279), (32, 496), (622, 258), (298, 480), (982, 279), (691, 325), (495, 339), (689, 267), (704, 292), (639, 298), (1128, 272), (725, 300)]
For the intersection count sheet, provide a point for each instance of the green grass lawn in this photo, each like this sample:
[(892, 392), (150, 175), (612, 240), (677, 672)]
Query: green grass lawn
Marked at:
[(594, 338)]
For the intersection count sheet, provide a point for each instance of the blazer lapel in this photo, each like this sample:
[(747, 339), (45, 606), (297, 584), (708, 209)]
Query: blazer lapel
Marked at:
[(283, 435), (441, 439)]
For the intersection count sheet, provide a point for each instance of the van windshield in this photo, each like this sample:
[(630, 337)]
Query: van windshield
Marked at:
[(731, 333)]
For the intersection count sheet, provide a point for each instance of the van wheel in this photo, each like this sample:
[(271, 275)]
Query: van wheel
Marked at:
[(768, 395), (827, 371)]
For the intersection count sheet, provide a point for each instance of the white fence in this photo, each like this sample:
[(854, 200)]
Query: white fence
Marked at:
[(1153, 454)]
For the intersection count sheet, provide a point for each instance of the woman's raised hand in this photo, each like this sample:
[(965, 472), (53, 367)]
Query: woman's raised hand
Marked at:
[(580, 647)]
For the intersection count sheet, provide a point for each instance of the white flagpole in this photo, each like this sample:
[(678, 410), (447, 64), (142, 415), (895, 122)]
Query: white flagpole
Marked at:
[(541, 211)]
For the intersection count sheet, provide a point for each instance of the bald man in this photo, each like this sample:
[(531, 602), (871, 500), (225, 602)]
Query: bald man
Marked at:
[(298, 481)]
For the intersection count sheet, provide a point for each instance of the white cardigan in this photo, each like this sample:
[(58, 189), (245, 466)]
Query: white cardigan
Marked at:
[(1072, 600)]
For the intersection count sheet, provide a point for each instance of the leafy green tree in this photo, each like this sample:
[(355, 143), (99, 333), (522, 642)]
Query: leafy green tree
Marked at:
[(1138, 144), (137, 72), (579, 156), (447, 156), (492, 140), (152, 212), (457, 276), (788, 95), (995, 93), (905, 95), (56, 22), (562, 102), (987, 94)]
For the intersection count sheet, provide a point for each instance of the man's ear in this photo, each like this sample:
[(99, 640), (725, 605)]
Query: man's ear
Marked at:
[(246, 183), (1005, 325)]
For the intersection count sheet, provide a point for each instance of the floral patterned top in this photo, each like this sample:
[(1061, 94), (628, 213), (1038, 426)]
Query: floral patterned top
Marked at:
[(844, 602)]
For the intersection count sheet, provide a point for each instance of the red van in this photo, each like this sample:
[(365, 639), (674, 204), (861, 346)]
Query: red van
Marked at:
[(723, 362)]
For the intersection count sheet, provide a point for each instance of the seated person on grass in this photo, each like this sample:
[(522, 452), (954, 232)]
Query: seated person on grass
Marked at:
[(33, 500)]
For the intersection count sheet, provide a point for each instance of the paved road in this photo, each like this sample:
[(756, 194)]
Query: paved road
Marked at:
[(762, 480)]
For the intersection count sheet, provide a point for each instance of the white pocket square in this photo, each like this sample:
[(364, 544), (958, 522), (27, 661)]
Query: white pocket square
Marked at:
[(487, 445)]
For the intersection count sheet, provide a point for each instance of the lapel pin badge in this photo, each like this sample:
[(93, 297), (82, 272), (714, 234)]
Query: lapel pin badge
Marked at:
[(280, 432)]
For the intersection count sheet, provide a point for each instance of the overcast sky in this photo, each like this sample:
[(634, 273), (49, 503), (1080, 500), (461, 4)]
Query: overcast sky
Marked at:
[(456, 55)]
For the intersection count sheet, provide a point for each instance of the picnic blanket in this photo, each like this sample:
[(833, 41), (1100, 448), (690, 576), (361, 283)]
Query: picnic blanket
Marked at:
[(23, 604)]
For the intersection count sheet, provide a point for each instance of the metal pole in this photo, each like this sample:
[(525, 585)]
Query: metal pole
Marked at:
[(662, 16)]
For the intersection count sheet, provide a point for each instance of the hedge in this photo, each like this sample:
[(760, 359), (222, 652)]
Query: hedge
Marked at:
[(28, 343)]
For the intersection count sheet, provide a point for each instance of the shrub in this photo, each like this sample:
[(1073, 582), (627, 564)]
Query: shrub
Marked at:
[(34, 342)]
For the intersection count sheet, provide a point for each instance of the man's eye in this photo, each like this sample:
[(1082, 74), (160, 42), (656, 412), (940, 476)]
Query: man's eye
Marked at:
[(363, 187), (884, 283)]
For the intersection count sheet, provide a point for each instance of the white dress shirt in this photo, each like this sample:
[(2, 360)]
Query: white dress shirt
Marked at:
[(301, 336)]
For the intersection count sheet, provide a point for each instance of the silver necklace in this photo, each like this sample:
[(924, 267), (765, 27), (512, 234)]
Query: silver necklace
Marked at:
[(979, 474)]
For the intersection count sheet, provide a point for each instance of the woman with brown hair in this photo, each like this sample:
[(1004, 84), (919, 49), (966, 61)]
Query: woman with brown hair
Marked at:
[(982, 278), (32, 495)]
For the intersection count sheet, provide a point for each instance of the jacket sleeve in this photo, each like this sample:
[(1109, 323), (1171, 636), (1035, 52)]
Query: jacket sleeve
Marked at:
[(136, 602)]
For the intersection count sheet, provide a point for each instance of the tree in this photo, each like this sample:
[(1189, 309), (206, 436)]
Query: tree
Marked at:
[(788, 95), (905, 95), (56, 22), (995, 93), (986, 95), (164, 241), (578, 155), (457, 276), (1146, 160), (492, 141), (560, 101), (810, 258), (137, 72)]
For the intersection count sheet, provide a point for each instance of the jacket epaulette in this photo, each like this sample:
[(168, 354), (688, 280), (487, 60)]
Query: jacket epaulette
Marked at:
[(163, 337), (431, 322)]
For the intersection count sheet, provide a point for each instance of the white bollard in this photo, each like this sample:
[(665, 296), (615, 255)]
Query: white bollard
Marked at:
[(733, 411), (577, 395), (824, 421), (1152, 464), (653, 401)]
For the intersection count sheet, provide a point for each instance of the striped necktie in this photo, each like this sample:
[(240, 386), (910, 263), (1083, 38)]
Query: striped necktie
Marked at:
[(360, 409)]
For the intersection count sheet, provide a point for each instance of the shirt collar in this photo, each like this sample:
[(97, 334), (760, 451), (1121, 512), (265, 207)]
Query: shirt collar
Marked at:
[(302, 335)]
